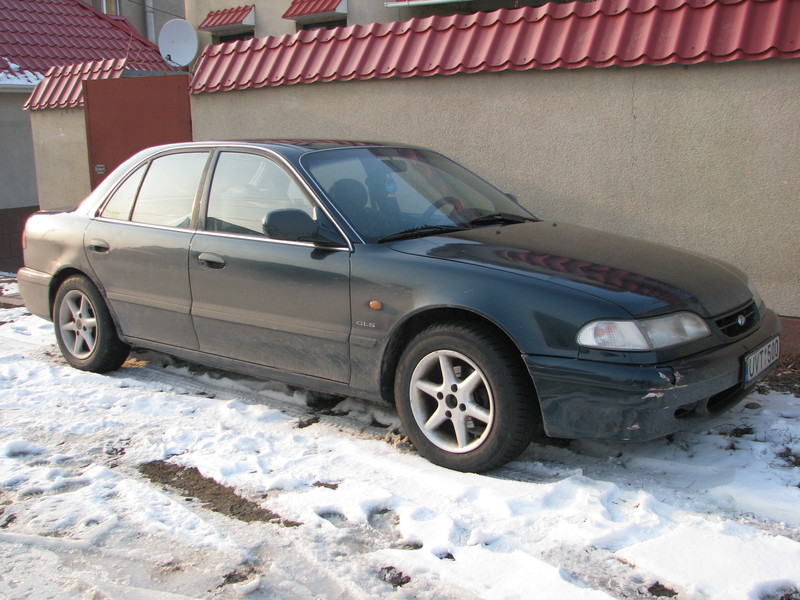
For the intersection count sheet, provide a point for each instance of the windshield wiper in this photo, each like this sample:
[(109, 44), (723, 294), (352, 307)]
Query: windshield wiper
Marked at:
[(420, 231), (501, 218)]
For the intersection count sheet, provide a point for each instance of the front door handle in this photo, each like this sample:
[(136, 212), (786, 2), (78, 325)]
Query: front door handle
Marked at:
[(211, 260)]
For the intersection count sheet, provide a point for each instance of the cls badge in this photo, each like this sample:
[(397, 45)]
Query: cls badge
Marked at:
[(365, 324)]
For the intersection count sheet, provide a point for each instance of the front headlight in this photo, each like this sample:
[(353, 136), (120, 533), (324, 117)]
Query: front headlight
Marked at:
[(644, 334)]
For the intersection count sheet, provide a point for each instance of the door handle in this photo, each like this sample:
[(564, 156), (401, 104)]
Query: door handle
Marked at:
[(98, 245), (211, 260)]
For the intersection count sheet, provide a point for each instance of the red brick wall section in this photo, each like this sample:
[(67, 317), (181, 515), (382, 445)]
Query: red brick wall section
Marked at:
[(790, 337), (12, 222)]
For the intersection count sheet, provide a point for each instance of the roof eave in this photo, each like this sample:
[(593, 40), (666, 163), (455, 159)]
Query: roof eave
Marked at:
[(18, 88), (339, 12)]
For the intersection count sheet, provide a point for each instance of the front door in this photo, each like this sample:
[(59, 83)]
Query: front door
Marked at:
[(284, 305)]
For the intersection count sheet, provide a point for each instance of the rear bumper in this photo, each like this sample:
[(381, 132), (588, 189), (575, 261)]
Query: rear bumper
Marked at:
[(34, 286), (583, 399)]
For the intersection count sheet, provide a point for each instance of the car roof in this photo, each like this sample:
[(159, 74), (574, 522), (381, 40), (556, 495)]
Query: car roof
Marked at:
[(300, 146), (318, 144), (291, 149)]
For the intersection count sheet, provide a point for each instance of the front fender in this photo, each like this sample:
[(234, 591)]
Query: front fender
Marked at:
[(389, 289)]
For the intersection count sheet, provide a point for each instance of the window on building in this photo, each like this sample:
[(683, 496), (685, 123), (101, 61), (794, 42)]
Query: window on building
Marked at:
[(325, 25), (110, 7), (230, 24), (317, 14), (234, 37)]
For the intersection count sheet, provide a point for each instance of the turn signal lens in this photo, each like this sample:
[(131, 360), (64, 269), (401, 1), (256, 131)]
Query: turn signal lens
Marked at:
[(616, 335)]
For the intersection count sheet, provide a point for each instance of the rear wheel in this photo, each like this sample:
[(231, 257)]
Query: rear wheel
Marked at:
[(463, 398), (84, 328)]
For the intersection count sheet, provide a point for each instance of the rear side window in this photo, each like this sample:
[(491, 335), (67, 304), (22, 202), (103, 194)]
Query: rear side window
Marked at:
[(121, 202), (167, 194)]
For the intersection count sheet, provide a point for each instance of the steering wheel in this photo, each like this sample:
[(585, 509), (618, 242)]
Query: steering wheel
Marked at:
[(456, 206)]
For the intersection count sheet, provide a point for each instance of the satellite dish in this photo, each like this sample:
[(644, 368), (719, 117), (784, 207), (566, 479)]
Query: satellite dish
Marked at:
[(177, 42)]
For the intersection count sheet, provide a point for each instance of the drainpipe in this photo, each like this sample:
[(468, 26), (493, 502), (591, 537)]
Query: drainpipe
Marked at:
[(150, 20)]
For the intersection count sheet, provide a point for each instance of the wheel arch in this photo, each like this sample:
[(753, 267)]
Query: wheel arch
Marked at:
[(416, 323), (65, 273)]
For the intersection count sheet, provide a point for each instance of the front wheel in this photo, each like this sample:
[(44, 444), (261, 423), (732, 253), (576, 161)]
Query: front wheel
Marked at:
[(463, 398), (84, 328)]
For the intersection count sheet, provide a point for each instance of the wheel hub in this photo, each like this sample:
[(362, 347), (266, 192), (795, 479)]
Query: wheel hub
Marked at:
[(451, 401)]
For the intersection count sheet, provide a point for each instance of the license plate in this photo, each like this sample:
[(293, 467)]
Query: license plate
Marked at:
[(760, 360)]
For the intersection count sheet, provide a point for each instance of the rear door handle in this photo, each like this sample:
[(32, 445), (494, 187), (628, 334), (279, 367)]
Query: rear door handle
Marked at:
[(211, 260), (99, 245)]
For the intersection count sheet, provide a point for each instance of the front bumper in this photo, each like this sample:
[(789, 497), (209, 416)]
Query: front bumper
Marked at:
[(583, 399)]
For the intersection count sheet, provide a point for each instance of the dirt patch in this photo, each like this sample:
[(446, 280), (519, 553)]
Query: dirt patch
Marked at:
[(661, 591), (213, 495), (393, 576)]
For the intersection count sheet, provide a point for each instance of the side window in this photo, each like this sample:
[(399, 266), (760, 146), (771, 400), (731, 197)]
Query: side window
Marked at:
[(167, 194), (245, 188), (121, 202)]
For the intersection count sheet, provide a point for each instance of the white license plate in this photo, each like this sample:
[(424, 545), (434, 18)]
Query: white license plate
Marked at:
[(760, 360)]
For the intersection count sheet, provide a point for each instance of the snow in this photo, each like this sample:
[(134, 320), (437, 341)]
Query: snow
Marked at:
[(13, 75), (711, 513)]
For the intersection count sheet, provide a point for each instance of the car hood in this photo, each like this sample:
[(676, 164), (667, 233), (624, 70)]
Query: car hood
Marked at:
[(642, 277)]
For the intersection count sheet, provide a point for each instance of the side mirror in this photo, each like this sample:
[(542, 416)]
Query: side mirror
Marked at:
[(295, 225)]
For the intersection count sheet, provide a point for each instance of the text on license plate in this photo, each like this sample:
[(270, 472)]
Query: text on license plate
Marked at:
[(758, 361)]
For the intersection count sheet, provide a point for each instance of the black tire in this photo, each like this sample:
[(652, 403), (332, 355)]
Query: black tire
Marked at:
[(463, 397), (84, 328)]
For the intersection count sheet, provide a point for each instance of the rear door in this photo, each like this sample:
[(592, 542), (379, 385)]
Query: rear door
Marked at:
[(285, 305), (139, 248)]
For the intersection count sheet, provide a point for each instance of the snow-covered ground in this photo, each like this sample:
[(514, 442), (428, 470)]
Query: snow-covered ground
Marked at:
[(708, 514)]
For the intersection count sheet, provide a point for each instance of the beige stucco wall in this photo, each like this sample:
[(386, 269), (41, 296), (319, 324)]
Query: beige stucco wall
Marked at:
[(703, 157), (62, 157)]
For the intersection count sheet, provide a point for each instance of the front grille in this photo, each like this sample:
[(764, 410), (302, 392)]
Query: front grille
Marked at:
[(738, 321)]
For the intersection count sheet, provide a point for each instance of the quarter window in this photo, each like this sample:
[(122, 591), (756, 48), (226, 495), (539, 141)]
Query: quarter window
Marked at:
[(121, 202), (167, 194)]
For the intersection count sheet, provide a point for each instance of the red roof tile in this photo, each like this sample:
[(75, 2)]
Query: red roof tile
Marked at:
[(38, 34), (305, 8), (228, 17), (597, 34), (62, 87)]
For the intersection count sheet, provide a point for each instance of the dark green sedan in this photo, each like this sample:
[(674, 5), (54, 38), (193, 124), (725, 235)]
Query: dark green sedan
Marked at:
[(391, 273)]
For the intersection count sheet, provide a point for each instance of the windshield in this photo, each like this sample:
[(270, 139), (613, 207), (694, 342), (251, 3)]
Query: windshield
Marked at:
[(387, 192)]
